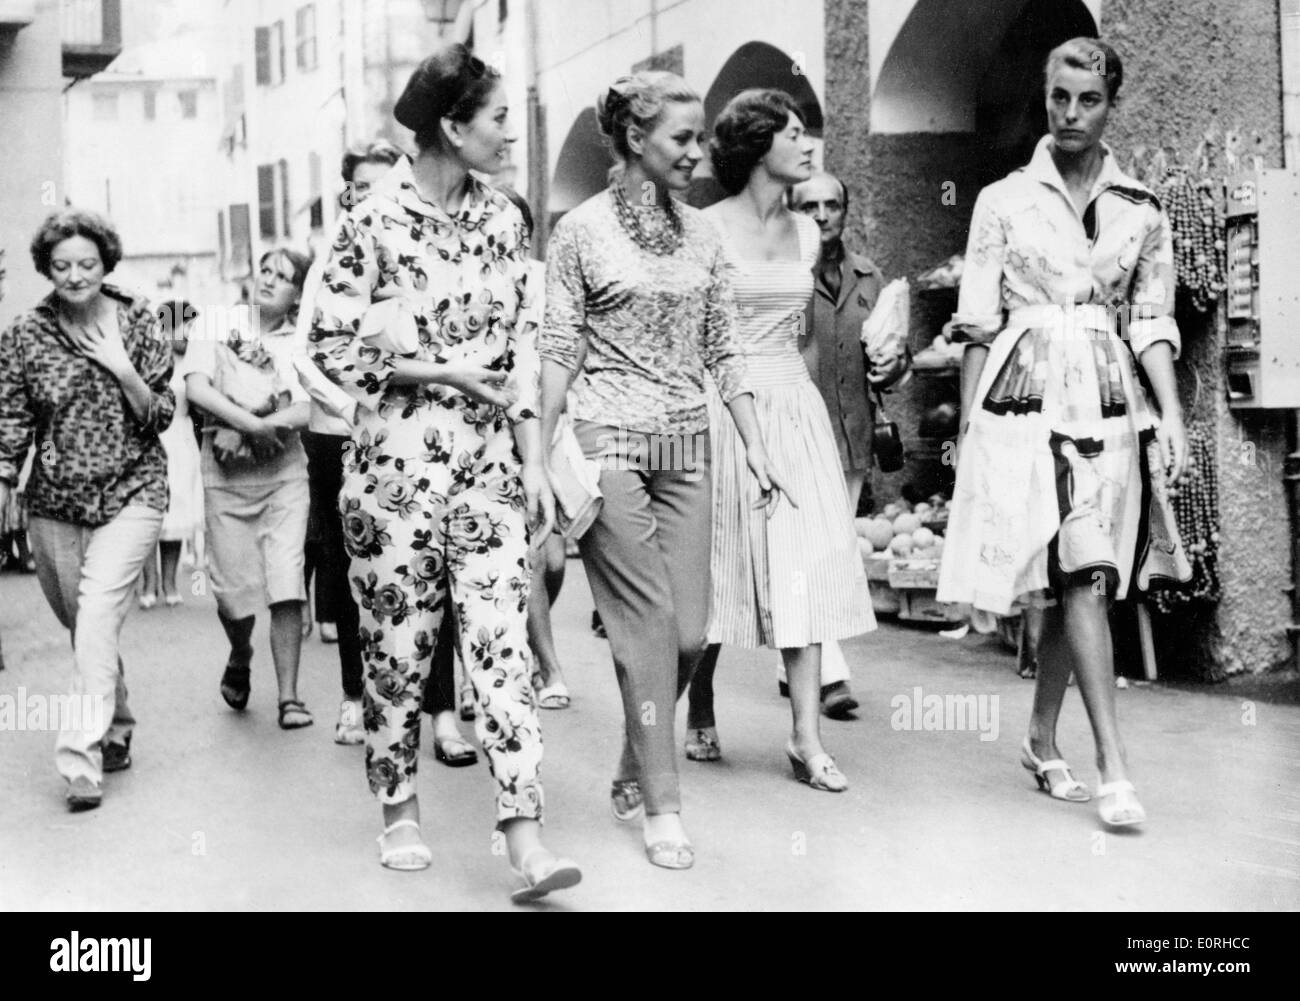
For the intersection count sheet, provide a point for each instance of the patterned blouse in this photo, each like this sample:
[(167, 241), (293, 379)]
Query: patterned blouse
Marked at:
[(654, 323), (1030, 247), (93, 458), (463, 282)]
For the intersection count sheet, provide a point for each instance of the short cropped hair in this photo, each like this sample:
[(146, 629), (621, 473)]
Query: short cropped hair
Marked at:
[(1085, 53), (376, 151), (743, 133), (70, 222)]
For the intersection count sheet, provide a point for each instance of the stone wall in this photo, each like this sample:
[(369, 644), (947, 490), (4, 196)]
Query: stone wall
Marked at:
[(1192, 68)]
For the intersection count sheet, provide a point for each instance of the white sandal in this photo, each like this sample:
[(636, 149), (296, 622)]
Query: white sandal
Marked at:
[(1125, 801), (417, 855), (1062, 789), (560, 875)]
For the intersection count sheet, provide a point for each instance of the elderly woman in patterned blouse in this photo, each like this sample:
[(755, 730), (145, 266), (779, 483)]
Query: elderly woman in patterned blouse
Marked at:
[(419, 321), (635, 280), (84, 378)]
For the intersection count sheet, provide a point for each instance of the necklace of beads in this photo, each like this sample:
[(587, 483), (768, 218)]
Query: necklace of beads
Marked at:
[(1197, 225), (1196, 510), (665, 234)]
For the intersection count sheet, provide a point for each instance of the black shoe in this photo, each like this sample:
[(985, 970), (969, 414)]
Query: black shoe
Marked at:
[(84, 794), (597, 626), (837, 701), (784, 689), (117, 757)]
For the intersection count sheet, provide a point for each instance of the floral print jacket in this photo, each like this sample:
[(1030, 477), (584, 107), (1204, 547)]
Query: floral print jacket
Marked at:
[(462, 279)]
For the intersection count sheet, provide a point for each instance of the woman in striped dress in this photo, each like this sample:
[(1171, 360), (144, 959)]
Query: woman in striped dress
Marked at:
[(787, 576)]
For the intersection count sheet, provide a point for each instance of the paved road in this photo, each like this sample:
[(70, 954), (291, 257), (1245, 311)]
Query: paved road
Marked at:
[(223, 811)]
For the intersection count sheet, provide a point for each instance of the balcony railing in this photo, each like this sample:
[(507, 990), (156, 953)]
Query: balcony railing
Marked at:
[(92, 35)]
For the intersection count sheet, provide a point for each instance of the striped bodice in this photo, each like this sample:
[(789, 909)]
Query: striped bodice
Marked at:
[(770, 298)]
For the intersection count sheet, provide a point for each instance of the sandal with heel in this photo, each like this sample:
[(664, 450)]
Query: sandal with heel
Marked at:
[(1118, 804), (559, 874), (819, 772), (1069, 789), (702, 744), (418, 855)]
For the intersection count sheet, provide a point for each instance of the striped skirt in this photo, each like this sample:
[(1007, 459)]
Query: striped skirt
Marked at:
[(1060, 481), (795, 578)]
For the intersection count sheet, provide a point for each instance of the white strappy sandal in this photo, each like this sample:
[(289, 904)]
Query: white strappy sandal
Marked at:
[(559, 875), (405, 858), (1123, 808), (1069, 788)]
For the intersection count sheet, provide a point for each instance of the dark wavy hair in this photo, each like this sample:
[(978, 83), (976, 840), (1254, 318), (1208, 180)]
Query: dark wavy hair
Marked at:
[(452, 83), (638, 99), (1085, 53), (743, 133), (67, 223)]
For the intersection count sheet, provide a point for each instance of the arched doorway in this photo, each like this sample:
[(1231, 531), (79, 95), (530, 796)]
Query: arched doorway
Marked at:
[(582, 168), (754, 64)]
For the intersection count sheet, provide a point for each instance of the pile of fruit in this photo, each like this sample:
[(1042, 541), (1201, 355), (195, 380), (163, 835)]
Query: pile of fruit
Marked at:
[(901, 531)]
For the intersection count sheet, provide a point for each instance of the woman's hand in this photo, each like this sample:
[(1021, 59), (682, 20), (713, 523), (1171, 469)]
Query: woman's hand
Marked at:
[(264, 438), (102, 347), (1172, 437), (769, 481), (482, 384), (539, 501)]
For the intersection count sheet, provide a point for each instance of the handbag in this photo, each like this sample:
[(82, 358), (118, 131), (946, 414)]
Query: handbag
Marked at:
[(575, 480), (886, 443)]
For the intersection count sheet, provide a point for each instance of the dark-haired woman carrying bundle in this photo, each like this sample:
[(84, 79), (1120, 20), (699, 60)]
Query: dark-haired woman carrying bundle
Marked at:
[(636, 281), (84, 379), (1061, 498), (418, 320), (793, 579)]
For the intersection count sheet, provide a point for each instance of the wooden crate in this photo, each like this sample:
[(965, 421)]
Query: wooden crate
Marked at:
[(918, 605), (913, 573)]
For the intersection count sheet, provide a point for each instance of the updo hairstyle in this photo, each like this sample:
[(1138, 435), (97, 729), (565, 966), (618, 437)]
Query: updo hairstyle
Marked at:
[(743, 133), (452, 83), (638, 99)]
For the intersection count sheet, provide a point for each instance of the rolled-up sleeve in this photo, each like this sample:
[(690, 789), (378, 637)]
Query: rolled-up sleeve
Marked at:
[(979, 303), (155, 368), (16, 424), (566, 309), (525, 365), (1151, 314), (363, 370), (719, 342)]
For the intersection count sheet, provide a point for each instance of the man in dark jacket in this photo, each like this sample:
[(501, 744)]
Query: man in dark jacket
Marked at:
[(846, 288)]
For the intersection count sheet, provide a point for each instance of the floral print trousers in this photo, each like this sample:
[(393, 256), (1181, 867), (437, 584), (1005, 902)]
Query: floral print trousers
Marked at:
[(443, 532)]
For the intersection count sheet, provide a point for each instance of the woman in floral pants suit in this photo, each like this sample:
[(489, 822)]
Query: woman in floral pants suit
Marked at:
[(417, 319)]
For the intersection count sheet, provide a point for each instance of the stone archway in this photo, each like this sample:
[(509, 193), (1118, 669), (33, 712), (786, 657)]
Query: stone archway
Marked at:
[(582, 168), (944, 60)]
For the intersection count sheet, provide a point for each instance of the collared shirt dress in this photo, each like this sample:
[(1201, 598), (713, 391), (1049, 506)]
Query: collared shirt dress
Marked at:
[(432, 503), (1060, 481)]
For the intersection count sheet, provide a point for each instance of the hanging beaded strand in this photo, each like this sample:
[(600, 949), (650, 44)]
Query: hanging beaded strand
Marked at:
[(1196, 511)]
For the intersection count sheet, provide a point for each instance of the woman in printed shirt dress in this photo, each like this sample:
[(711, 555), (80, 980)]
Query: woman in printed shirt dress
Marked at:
[(1064, 466), (636, 281), (445, 474), (85, 380)]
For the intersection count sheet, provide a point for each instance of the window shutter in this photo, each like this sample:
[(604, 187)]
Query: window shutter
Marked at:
[(285, 210), (266, 202), (262, 38)]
